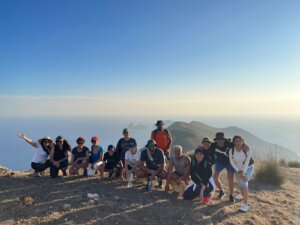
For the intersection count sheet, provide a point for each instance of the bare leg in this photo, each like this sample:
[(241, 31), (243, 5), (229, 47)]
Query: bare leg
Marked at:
[(217, 180), (230, 177)]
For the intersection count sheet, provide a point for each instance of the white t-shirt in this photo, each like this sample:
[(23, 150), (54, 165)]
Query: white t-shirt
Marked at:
[(132, 159), (40, 155)]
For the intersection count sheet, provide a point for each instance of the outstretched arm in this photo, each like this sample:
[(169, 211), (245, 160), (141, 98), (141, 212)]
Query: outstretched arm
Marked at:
[(28, 140)]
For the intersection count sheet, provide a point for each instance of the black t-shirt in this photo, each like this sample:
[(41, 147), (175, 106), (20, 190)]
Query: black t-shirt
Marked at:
[(154, 160), (80, 154), (123, 146), (59, 153), (111, 160)]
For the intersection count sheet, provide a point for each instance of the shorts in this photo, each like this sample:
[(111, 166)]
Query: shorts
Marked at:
[(219, 167)]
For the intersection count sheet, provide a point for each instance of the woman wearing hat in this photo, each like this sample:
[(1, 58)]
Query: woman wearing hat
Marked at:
[(202, 184), (80, 158), (44, 146), (59, 157)]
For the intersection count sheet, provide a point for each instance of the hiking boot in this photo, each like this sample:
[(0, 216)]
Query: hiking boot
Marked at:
[(221, 195), (244, 208), (231, 199)]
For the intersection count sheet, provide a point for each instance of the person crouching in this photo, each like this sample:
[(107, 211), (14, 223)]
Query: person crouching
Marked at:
[(202, 185)]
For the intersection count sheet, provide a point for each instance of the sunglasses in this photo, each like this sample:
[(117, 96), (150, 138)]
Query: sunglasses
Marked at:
[(46, 142), (59, 142)]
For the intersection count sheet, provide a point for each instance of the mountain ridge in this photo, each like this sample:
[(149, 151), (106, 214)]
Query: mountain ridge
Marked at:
[(189, 135)]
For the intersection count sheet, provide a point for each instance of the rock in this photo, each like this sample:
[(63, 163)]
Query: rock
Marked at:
[(116, 198), (90, 195), (26, 200), (66, 206)]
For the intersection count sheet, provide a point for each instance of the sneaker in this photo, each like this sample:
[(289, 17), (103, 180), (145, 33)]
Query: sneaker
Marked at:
[(113, 175), (244, 208), (129, 185), (37, 174), (149, 185), (231, 199), (221, 195), (239, 197)]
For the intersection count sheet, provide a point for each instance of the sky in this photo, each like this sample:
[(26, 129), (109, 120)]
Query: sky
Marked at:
[(150, 57)]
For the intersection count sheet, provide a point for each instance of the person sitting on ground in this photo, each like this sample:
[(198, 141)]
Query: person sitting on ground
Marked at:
[(202, 185), (132, 159), (124, 144), (162, 137), (243, 165), (111, 163), (44, 146), (80, 158), (96, 155), (154, 159), (179, 168), (59, 157)]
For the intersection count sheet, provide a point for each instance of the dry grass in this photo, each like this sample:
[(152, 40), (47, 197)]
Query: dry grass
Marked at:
[(270, 172)]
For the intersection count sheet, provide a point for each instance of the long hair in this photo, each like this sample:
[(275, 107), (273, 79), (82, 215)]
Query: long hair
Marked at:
[(237, 137)]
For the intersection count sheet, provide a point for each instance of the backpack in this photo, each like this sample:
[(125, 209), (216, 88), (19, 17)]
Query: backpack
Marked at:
[(166, 132), (251, 161)]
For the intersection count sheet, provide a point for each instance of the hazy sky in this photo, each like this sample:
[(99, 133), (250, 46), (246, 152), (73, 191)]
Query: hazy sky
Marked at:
[(149, 57)]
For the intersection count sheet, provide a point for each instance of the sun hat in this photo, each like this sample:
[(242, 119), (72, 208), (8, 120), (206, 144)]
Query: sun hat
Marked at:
[(206, 139), (45, 138), (220, 136), (159, 122)]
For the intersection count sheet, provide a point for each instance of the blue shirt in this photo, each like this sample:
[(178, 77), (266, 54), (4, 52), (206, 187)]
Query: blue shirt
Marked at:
[(94, 157)]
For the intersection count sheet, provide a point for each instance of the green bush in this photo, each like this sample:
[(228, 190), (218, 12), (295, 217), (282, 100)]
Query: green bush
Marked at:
[(294, 164), (270, 172)]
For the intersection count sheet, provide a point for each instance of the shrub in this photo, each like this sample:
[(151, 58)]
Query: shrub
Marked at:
[(282, 163), (269, 172), (294, 164)]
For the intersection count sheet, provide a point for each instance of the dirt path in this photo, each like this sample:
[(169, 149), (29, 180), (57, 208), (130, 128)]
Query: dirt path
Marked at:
[(119, 205)]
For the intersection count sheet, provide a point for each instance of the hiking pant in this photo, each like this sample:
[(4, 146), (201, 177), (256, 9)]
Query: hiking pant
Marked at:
[(40, 167), (54, 170), (193, 190)]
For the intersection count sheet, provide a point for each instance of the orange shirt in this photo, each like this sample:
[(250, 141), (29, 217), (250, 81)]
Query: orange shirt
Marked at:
[(163, 139)]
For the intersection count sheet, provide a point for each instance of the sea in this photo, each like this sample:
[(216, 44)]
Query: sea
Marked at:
[(16, 154)]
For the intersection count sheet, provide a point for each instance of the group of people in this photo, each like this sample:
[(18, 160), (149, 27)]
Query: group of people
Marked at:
[(155, 161)]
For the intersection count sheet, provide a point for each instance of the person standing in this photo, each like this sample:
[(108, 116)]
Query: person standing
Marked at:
[(124, 144), (162, 137), (43, 146), (243, 165)]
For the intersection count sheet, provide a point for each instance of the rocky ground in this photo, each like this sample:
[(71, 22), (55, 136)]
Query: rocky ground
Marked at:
[(28, 200)]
